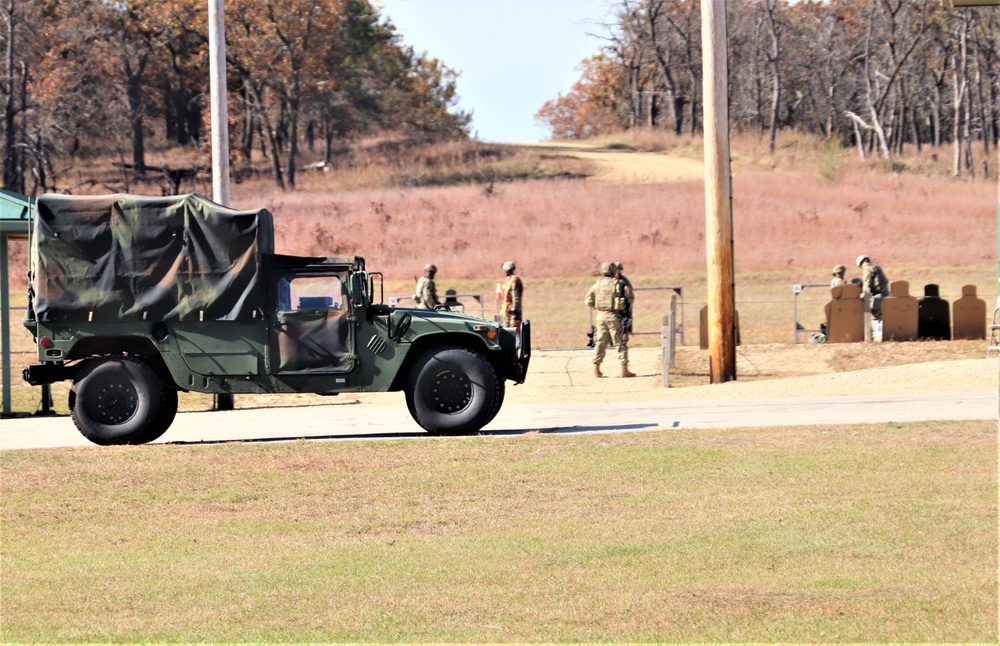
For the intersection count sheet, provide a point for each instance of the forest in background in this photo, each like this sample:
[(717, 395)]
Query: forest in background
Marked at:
[(105, 96), (87, 78), (875, 75)]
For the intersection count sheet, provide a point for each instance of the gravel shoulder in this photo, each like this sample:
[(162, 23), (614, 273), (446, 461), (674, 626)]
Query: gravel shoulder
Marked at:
[(566, 376)]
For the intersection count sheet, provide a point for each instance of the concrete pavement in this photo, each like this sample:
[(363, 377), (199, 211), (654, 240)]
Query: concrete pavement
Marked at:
[(357, 421)]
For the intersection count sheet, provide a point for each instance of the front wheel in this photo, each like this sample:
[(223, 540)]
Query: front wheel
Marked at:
[(120, 400), (453, 391)]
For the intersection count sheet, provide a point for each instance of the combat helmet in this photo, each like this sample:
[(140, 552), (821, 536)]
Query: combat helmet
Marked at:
[(861, 259), (508, 266), (607, 268), (430, 267), (839, 269)]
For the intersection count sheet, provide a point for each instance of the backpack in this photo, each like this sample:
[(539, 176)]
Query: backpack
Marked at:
[(881, 282)]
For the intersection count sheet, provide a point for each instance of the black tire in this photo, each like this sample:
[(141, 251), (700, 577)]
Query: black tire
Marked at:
[(165, 418), (120, 400), (453, 391)]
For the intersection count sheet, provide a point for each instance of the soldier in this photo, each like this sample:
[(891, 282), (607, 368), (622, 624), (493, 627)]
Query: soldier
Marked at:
[(426, 295), (873, 283), (838, 275), (608, 298), (509, 294), (625, 285)]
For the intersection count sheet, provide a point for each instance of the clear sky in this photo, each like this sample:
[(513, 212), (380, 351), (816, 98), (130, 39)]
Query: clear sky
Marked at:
[(511, 55)]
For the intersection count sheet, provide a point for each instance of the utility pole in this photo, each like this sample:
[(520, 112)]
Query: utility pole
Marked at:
[(217, 84), (718, 191), (220, 125)]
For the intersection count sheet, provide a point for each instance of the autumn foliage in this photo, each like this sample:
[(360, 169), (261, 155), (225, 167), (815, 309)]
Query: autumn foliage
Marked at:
[(875, 75), (91, 76)]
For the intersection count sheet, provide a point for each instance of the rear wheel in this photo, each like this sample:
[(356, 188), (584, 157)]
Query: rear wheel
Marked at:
[(120, 400), (453, 391)]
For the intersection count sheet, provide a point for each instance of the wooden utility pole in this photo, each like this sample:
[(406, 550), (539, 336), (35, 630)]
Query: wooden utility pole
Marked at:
[(217, 84), (220, 125), (718, 207)]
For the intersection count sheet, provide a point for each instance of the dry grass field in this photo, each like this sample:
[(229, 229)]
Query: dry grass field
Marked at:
[(869, 533), (796, 214)]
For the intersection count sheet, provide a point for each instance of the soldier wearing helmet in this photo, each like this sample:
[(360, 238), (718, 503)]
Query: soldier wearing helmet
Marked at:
[(426, 294), (609, 299), (875, 285), (838, 275), (509, 294)]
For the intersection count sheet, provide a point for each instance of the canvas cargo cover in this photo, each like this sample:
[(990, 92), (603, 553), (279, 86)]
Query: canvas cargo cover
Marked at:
[(130, 257)]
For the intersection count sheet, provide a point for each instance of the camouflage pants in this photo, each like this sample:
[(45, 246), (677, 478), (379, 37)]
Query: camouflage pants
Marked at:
[(608, 329), (877, 306)]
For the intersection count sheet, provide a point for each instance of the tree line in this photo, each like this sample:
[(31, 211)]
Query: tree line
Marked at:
[(874, 74), (98, 76)]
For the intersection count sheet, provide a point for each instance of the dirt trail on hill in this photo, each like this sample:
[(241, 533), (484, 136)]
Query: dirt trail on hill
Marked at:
[(626, 166)]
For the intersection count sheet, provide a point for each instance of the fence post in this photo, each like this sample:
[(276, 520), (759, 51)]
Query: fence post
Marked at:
[(666, 336), (868, 316), (673, 328), (668, 341)]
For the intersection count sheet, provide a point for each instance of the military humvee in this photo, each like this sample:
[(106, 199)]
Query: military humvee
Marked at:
[(137, 298)]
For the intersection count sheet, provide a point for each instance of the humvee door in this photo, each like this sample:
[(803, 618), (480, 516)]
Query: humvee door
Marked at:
[(312, 326)]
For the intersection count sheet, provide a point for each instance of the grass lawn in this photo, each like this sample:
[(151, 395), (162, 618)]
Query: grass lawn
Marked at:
[(871, 533)]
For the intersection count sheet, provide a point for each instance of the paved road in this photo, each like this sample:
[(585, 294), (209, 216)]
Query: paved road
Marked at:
[(353, 421)]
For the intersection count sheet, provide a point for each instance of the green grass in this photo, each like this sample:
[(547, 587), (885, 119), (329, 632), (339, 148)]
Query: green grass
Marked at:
[(840, 534)]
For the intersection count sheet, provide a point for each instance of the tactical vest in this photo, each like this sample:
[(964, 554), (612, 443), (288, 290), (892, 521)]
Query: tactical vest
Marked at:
[(419, 295), (879, 282), (504, 294), (608, 295)]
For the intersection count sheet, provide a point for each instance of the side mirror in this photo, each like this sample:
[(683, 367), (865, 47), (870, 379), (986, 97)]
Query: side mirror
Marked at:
[(399, 324)]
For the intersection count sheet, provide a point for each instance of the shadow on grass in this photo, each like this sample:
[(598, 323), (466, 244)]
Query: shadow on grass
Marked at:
[(417, 434)]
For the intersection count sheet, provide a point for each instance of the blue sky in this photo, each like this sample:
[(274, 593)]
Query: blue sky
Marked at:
[(512, 55)]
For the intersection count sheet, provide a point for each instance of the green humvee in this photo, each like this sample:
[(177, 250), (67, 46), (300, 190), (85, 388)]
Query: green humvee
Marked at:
[(137, 298)]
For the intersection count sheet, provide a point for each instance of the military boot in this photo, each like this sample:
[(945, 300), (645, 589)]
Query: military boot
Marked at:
[(597, 370), (625, 371)]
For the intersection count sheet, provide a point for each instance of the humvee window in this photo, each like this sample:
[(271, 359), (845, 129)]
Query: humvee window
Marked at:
[(315, 293)]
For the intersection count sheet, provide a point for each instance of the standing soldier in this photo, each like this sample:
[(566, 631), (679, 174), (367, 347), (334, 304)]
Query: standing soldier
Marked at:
[(625, 285), (876, 285), (608, 298), (426, 296), (509, 294), (838, 275)]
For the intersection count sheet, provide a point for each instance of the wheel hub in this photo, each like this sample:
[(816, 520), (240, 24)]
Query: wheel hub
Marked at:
[(115, 403), (451, 392)]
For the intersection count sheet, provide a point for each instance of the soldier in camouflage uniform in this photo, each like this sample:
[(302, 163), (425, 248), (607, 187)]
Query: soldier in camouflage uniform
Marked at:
[(874, 283), (608, 297), (509, 294), (426, 296), (625, 286), (838, 275)]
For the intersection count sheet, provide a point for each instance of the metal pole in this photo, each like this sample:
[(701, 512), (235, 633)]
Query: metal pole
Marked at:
[(718, 211), (217, 84), (5, 325), (220, 125)]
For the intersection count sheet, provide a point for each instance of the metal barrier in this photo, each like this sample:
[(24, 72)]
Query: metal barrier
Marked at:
[(796, 290), (677, 289)]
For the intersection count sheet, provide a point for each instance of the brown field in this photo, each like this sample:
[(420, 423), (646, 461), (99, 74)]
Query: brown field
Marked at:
[(795, 215)]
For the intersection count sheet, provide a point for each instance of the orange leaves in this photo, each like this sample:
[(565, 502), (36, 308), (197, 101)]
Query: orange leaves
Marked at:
[(592, 107)]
